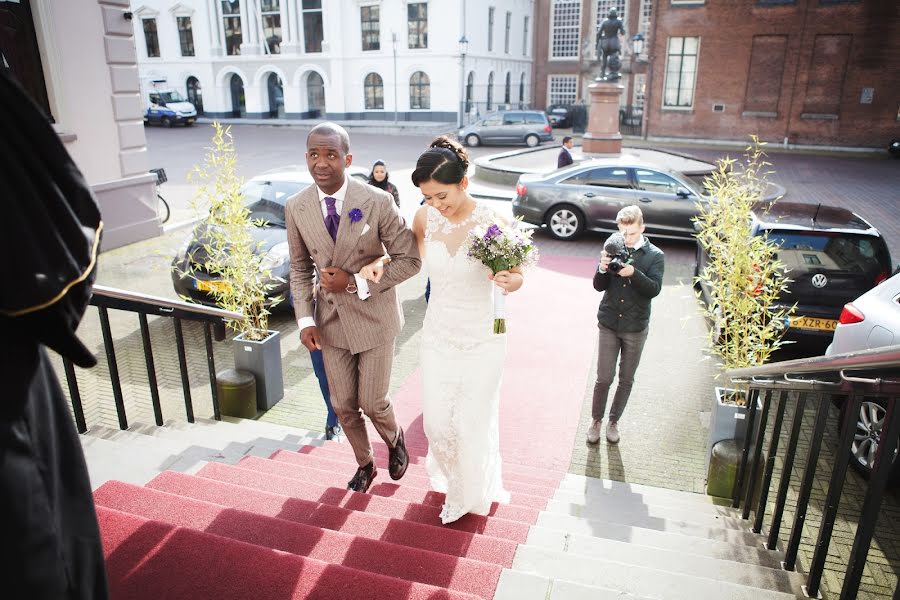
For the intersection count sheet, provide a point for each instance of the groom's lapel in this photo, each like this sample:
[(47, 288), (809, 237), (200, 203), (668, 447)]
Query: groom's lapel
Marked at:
[(350, 231), (312, 223)]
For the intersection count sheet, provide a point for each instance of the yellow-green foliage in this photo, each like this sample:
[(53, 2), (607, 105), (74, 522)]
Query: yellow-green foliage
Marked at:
[(231, 250), (743, 275)]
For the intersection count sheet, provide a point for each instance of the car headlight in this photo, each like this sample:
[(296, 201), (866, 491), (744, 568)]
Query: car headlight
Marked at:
[(275, 257), (461, 132)]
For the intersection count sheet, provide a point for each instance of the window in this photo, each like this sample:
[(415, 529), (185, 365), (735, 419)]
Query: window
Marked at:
[(825, 86), (419, 91), (565, 29), (765, 73), (603, 8), (513, 118), (417, 25), (313, 33), (507, 90), (490, 92), (654, 181), (470, 87), (681, 72), (522, 90), (185, 35), (270, 11), (508, 27), (374, 91), (614, 177), (490, 29), (231, 20), (644, 25), (151, 37), (370, 23), (563, 89), (640, 92), (536, 118), (525, 37)]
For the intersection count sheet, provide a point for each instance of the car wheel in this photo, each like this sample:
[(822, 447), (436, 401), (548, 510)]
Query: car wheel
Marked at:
[(472, 140), (532, 140), (166, 122), (565, 222), (868, 425)]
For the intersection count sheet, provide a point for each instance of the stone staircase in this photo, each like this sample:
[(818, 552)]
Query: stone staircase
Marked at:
[(243, 509)]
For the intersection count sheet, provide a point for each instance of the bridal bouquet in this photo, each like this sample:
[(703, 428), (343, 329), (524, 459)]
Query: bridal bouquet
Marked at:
[(501, 248)]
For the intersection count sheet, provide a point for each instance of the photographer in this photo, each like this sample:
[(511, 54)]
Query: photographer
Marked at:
[(630, 274)]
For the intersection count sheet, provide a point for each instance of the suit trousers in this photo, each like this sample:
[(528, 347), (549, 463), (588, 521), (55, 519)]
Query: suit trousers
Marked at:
[(359, 385), (613, 344)]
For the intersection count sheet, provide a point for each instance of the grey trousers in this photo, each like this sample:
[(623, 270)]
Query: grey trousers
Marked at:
[(612, 344)]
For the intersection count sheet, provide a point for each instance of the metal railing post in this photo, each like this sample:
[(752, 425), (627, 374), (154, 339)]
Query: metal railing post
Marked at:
[(785, 481), (113, 367), (151, 369), (770, 464), (75, 395), (752, 395), (185, 378), (757, 453)]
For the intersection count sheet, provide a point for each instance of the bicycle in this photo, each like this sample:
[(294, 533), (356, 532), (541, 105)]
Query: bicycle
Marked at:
[(161, 179)]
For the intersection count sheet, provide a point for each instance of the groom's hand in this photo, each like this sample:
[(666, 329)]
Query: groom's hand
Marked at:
[(334, 279), (309, 337)]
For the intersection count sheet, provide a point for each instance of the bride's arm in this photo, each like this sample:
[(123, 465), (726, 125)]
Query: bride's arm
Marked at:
[(418, 228)]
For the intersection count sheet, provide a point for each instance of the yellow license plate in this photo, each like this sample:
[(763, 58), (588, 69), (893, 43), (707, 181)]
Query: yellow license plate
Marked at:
[(813, 323), (212, 286)]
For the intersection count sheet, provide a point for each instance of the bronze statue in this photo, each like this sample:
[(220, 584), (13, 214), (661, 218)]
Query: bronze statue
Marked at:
[(609, 46)]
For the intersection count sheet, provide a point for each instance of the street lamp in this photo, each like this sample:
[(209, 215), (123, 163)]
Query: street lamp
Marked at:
[(637, 44), (463, 48)]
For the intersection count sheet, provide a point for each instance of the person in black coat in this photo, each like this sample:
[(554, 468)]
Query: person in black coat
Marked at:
[(379, 178), (565, 153), (49, 538)]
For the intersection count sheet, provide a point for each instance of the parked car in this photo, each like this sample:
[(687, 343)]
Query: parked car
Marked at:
[(529, 127), (265, 195), (894, 148), (832, 255), (587, 196), (559, 115)]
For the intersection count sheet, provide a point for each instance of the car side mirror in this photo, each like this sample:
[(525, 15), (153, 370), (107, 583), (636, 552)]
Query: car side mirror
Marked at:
[(683, 193)]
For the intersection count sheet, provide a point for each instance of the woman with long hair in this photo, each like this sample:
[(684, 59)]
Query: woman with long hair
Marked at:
[(379, 178)]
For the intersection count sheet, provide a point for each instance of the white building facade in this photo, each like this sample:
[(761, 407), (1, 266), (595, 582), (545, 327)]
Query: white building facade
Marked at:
[(339, 59)]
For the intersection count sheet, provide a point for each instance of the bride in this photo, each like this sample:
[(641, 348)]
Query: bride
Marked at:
[(461, 356)]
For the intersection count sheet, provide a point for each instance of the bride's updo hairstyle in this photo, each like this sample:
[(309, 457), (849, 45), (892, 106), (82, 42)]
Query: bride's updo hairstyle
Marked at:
[(445, 161)]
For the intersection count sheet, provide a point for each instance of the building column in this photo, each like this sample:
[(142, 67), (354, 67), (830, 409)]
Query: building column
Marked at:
[(250, 36), (289, 44), (214, 22)]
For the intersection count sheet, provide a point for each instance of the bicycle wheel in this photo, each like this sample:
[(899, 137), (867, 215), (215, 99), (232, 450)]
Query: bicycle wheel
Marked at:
[(165, 208)]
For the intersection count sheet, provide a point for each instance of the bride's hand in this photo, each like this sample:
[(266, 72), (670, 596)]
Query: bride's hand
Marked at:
[(373, 271), (507, 280)]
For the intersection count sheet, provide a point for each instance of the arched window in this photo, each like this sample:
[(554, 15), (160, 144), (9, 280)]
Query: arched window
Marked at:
[(419, 91), (238, 102), (490, 92), (315, 95), (470, 86), (195, 94), (507, 89), (276, 96), (522, 91), (374, 90)]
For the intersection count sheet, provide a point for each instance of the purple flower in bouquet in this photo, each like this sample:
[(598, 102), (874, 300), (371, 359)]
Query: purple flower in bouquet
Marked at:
[(492, 232)]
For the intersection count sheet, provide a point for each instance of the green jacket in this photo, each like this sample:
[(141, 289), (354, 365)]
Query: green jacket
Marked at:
[(625, 306)]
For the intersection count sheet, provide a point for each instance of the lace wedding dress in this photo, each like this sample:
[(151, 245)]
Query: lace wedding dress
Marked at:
[(462, 365)]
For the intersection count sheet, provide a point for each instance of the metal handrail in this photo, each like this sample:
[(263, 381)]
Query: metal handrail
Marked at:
[(877, 358), (105, 298)]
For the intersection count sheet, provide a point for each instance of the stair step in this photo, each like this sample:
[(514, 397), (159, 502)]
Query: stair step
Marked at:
[(637, 579), (213, 436), (675, 560), (518, 585), (595, 544), (365, 524), (589, 485), (605, 509), (420, 513), (264, 428), (410, 487), (148, 560), (402, 562), (381, 460), (620, 497), (416, 474), (106, 460), (615, 522)]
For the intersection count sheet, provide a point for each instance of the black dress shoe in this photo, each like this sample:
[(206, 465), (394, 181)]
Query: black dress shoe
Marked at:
[(399, 458), (363, 478)]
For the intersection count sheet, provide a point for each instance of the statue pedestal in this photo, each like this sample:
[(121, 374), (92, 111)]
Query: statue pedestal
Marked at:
[(603, 135)]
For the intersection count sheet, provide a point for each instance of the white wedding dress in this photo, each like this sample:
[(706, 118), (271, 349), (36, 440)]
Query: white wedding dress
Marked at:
[(462, 366)]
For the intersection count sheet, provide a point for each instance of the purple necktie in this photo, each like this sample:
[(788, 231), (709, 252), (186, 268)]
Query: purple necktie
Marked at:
[(332, 220)]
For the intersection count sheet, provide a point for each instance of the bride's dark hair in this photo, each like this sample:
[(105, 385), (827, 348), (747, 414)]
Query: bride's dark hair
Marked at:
[(445, 161)]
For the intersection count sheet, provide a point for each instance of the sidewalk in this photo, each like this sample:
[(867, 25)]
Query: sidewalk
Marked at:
[(362, 125)]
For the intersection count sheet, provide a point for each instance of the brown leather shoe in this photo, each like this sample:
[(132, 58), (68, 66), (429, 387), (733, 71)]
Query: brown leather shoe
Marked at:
[(399, 458), (363, 478)]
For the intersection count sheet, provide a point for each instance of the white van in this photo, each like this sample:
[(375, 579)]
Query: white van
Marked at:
[(166, 106)]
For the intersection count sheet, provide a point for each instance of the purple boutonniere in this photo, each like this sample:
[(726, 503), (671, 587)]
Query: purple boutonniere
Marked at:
[(355, 215)]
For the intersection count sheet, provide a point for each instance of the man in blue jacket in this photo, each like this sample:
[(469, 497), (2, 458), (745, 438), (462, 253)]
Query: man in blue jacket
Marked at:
[(630, 282)]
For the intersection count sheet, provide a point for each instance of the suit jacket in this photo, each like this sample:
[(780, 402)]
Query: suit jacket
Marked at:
[(564, 159), (345, 321)]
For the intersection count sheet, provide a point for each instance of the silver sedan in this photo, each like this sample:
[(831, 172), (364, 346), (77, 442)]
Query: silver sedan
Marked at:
[(590, 194)]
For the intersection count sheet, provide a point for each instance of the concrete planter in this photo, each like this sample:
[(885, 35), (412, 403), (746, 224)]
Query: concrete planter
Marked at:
[(727, 422), (263, 359)]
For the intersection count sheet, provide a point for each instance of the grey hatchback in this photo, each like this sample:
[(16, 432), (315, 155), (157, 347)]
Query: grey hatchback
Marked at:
[(590, 194), (530, 127)]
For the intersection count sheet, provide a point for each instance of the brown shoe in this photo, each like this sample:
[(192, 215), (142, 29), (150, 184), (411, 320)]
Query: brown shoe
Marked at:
[(363, 478), (399, 458)]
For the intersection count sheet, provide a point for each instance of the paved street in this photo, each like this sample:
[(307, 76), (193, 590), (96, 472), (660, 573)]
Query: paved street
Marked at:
[(665, 427)]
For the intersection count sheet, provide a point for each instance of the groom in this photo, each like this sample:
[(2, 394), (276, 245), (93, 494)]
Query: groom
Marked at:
[(338, 226)]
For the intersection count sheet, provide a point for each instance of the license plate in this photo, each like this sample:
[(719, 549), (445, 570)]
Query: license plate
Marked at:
[(212, 286), (813, 323)]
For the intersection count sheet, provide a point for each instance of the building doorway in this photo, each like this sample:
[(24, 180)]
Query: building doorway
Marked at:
[(276, 96), (238, 101), (315, 95), (195, 94)]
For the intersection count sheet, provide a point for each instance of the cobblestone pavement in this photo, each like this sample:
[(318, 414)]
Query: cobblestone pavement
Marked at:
[(664, 428)]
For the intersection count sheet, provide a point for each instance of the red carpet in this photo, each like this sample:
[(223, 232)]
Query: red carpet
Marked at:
[(286, 526)]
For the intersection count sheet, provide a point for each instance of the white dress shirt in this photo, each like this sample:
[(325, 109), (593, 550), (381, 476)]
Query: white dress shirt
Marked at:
[(362, 285)]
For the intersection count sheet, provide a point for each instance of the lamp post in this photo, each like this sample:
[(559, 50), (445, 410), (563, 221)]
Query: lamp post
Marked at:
[(637, 44), (463, 48)]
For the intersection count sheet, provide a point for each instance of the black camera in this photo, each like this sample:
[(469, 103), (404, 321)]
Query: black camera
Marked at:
[(617, 252)]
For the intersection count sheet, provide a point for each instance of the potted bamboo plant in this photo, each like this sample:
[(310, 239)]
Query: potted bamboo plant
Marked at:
[(741, 280), (228, 248)]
